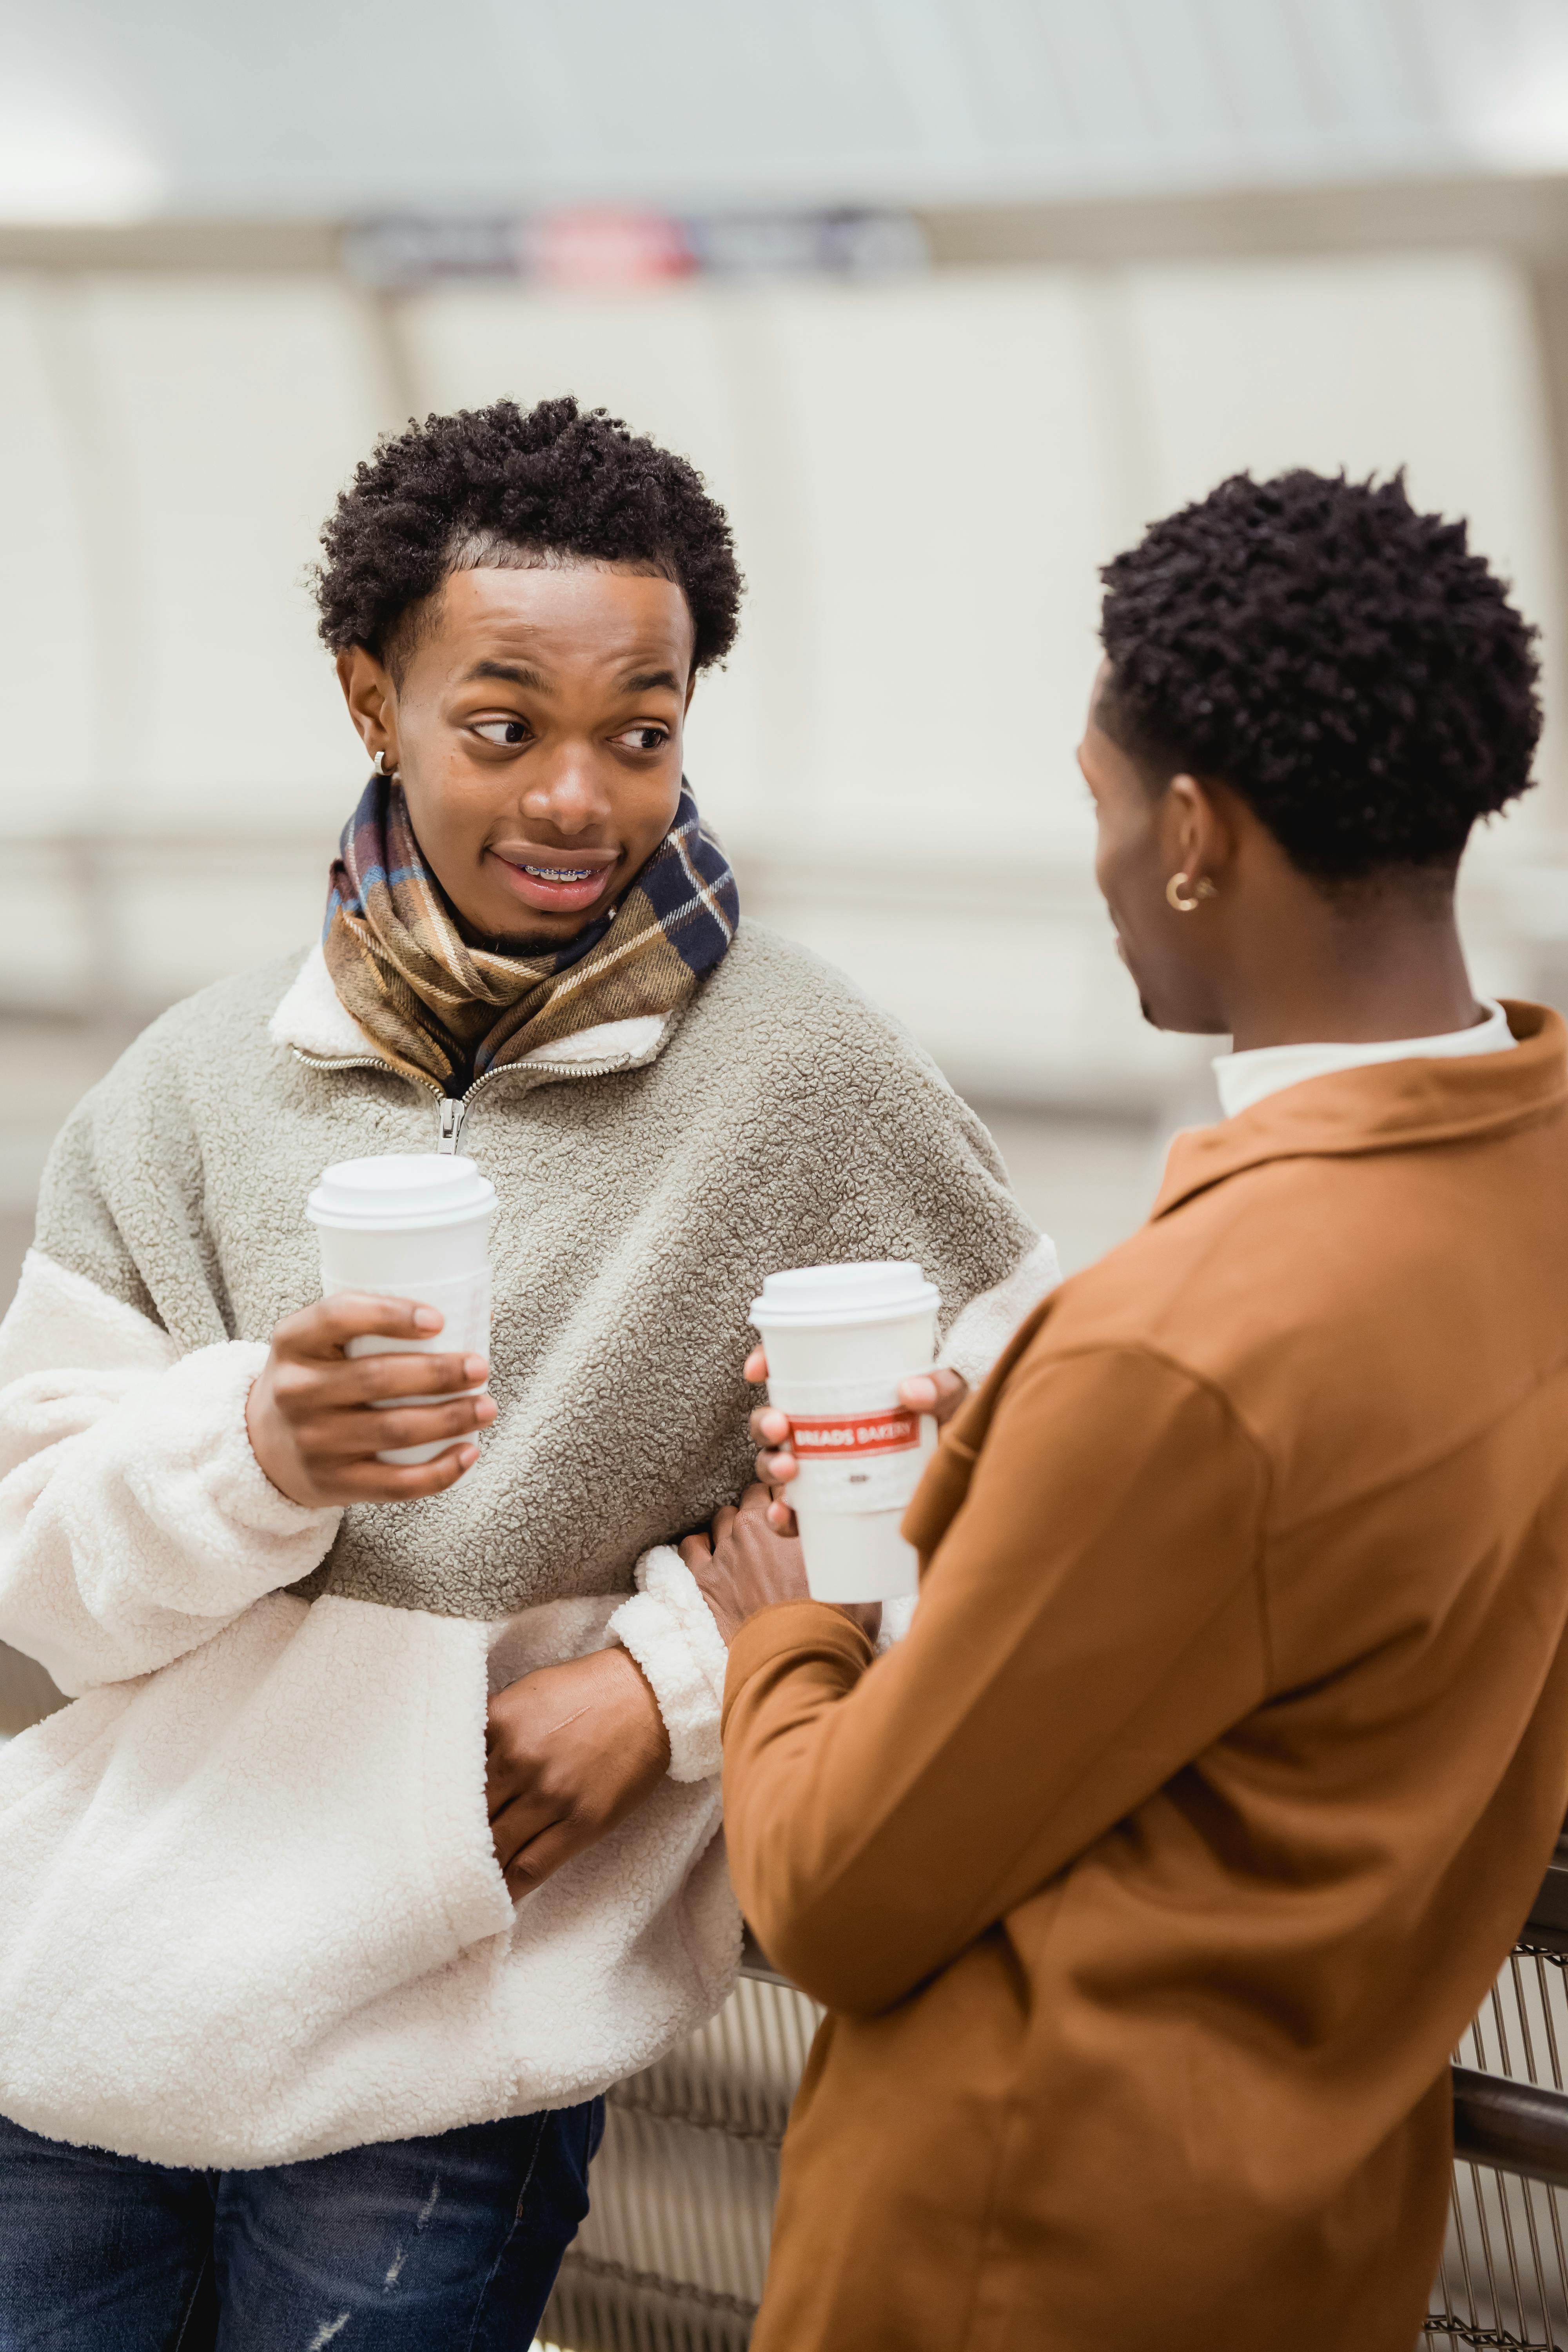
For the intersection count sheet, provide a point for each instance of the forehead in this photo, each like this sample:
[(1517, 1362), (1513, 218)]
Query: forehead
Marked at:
[(563, 617)]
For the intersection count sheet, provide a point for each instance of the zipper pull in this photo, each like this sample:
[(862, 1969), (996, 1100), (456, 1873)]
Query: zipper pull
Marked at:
[(451, 1123)]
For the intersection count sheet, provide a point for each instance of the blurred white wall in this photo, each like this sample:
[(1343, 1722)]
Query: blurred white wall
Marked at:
[(924, 476)]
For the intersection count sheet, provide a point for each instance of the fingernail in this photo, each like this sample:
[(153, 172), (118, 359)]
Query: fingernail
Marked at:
[(426, 1318), (475, 1368), (485, 1410), (468, 1456)]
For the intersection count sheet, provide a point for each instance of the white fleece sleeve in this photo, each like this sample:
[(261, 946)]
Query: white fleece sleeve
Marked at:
[(135, 1522), (669, 1630), (977, 1336)]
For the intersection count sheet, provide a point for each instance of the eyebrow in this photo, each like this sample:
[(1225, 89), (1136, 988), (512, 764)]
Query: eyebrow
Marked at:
[(514, 673), (642, 681)]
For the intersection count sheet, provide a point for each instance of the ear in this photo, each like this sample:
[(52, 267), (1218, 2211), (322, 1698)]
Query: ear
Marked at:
[(1203, 838), (372, 700)]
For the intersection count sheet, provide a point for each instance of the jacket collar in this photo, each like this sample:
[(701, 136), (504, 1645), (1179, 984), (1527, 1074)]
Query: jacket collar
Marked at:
[(313, 1021), (1382, 1107)]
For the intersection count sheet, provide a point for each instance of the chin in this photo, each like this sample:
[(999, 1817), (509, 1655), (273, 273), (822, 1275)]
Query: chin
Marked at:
[(1158, 1015), (1182, 1025), (1157, 1020), (1146, 1004)]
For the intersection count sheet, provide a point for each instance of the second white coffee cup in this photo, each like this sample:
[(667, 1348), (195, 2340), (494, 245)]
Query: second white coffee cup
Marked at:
[(839, 1339), (411, 1226)]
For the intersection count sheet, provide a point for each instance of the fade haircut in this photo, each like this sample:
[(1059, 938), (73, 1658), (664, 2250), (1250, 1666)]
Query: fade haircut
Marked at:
[(1346, 664), (497, 486)]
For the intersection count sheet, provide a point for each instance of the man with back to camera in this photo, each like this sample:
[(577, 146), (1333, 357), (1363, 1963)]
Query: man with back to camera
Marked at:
[(285, 2056), (1150, 1881)]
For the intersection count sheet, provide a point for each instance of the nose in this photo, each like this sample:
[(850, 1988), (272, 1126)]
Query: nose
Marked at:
[(567, 792)]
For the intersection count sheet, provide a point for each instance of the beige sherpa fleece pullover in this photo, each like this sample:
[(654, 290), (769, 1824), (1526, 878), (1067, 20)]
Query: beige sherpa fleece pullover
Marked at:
[(250, 1910)]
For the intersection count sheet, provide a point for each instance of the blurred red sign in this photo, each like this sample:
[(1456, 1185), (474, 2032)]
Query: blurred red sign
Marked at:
[(589, 245), (612, 247)]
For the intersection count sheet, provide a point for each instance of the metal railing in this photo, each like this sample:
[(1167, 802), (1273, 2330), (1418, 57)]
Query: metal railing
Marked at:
[(1503, 2278), (673, 2256)]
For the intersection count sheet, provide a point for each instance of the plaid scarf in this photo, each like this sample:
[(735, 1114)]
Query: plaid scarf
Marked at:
[(440, 1009)]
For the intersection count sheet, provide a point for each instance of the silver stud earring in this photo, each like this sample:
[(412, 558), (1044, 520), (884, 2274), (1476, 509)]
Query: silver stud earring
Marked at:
[(377, 764)]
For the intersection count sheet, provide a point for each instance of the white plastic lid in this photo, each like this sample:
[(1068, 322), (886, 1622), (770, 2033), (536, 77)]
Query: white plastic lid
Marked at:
[(401, 1189), (880, 1290)]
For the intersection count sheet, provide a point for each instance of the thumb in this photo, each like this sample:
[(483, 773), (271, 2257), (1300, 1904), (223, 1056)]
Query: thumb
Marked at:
[(939, 1393)]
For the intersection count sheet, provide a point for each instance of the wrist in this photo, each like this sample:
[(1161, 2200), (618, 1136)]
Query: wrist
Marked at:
[(258, 1435), (637, 1691)]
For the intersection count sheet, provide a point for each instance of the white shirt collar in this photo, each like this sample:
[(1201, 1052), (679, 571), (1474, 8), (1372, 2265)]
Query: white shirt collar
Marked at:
[(1244, 1080)]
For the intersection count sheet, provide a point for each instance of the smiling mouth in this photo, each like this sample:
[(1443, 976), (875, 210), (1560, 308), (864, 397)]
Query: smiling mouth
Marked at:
[(564, 886)]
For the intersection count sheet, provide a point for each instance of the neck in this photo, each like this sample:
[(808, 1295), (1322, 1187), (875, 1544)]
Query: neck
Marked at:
[(1354, 971)]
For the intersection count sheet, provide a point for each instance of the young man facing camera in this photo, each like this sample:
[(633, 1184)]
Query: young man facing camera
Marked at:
[(1152, 1879), (283, 2051)]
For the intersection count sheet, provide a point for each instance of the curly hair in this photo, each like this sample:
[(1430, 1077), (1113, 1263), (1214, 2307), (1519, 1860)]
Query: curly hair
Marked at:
[(1343, 663), (494, 485)]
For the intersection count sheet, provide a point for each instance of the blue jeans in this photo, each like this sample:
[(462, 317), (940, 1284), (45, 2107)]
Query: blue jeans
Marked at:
[(448, 2244)]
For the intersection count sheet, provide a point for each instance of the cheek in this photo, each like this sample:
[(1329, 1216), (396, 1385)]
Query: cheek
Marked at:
[(1124, 868), (649, 809), (455, 778), (1116, 870)]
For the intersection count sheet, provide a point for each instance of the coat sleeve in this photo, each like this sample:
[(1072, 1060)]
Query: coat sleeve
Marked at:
[(1090, 1623), (135, 1522)]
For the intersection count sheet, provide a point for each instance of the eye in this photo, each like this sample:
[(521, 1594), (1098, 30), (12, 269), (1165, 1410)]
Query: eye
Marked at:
[(648, 737), (503, 730)]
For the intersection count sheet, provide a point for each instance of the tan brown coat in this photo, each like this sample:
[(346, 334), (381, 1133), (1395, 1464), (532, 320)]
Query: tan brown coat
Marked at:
[(1153, 1878)]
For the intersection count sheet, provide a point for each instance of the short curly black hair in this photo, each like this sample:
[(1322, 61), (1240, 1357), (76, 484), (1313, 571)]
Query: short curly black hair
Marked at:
[(1343, 663), (487, 484)]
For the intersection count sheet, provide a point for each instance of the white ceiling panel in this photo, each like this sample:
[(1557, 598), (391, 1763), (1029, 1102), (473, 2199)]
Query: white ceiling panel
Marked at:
[(326, 108)]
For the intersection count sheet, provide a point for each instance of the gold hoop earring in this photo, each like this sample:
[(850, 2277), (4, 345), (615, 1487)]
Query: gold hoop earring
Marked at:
[(1201, 890)]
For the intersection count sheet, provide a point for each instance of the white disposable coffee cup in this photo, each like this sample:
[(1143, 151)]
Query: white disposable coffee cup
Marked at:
[(412, 1225), (839, 1339)]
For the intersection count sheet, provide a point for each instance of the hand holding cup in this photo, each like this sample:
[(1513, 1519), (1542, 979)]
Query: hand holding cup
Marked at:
[(317, 1418), (356, 1403), (937, 1394)]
